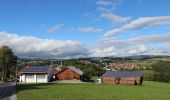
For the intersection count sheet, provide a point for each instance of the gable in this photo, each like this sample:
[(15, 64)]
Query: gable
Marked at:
[(74, 70), (67, 71)]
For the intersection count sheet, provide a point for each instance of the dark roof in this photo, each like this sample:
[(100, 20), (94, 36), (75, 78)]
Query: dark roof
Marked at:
[(75, 70), (35, 69), (119, 74)]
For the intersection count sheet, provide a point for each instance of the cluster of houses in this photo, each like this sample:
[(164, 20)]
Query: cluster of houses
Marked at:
[(121, 66), (44, 74)]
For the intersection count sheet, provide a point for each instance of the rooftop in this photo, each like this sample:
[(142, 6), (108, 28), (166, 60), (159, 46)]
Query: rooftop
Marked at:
[(75, 70), (119, 74), (35, 69)]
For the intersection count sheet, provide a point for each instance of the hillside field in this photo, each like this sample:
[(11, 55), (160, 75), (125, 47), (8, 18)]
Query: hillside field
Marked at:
[(91, 91)]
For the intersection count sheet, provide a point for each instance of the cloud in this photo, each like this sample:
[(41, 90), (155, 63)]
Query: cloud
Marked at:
[(103, 52), (107, 10), (139, 50), (89, 30), (163, 38), (115, 19), (103, 3), (30, 46), (112, 51), (55, 28), (103, 9), (135, 46), (139, 23), (136, 50)]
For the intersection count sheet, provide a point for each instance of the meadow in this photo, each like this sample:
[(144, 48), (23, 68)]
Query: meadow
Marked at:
[(91, 91)]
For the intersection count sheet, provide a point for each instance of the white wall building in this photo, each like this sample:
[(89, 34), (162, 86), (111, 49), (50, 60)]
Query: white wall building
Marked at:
[(35, 74)]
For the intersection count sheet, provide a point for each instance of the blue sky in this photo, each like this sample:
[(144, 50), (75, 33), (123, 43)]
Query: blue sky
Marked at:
[(87, 22)]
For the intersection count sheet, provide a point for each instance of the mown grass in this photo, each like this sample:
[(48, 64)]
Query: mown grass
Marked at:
[(53, 91)]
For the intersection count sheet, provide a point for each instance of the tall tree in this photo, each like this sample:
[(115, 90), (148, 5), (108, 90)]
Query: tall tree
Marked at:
[(8, 62)]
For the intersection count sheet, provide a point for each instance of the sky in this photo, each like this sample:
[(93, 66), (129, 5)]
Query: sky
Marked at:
[(85, 28)]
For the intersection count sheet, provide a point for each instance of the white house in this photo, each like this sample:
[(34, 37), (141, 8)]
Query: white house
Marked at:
[(35, 74)]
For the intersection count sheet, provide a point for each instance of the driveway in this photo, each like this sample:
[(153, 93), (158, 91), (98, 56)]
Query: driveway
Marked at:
[(8, 91)]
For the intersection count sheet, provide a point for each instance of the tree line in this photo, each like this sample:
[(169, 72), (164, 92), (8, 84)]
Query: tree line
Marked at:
[(8, 62), (160, 72)]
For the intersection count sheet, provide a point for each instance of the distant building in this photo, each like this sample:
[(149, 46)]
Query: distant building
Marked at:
[(69, 73), (122, 77), (35, 74)]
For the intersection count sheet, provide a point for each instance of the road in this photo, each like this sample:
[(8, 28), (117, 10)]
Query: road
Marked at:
[(8, 91)]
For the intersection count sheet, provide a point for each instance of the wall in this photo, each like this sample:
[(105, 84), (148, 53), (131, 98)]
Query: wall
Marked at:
[(24, 78), (130, 80), (108, 80), (126, 80), (67, 74)]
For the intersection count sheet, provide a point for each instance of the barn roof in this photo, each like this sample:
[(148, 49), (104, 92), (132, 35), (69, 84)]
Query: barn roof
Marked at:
[(119, 74), (35, 69), (75, 70)]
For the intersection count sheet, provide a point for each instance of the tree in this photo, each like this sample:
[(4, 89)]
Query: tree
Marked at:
[(162, 71), (8, 62)]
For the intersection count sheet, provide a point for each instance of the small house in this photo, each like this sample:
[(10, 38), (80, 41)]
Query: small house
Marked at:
[(35, 74), (69, 73), (122, 77)]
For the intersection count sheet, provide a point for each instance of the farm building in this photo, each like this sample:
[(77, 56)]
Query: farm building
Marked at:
[(69, 73), (122, 77), (35, 74)]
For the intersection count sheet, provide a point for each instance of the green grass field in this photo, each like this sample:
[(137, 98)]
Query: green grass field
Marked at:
[(53, 91)]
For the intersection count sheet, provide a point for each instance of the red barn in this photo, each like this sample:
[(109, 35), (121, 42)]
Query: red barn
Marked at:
[(70, 73)]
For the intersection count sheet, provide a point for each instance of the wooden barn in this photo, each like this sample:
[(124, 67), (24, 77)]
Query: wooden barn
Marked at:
[(70, 73), (122, 77)]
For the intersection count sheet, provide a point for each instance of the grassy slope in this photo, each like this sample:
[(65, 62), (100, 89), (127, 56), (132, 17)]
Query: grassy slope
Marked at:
[(52, 91)]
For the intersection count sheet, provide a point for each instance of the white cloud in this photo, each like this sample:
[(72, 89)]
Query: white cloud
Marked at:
[(30, 46), (103, 3), (112, 51), (55, 28), (103, 9), (103, 52), (136, 50), (139, 50), (89, 29), (115, 19), (139, 23), (163, 38)]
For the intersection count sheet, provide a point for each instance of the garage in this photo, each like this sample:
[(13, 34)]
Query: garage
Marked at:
[(29, 78), (41, 78)]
